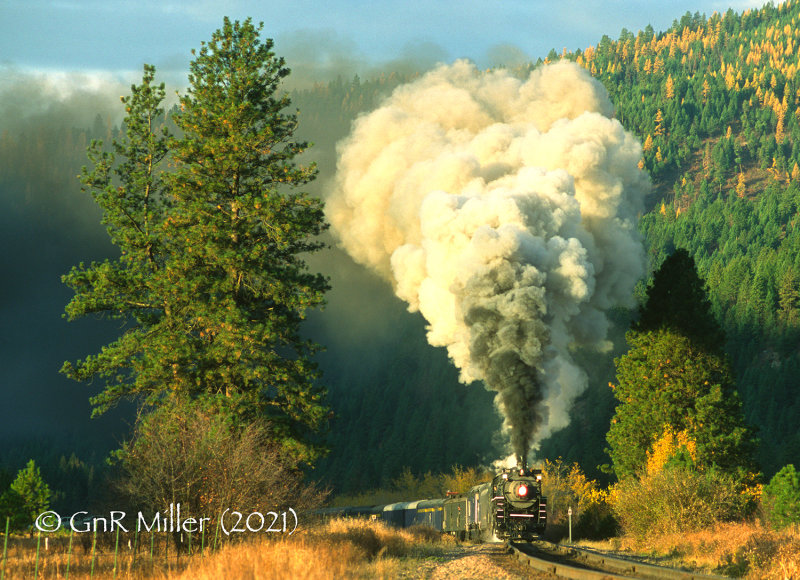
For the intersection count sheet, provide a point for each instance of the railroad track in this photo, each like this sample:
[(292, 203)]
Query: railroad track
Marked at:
[(578, 564)]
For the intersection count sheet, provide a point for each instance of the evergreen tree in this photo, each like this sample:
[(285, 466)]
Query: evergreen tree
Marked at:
[(12, 509), (126, 183), (675, 376), (243, 230), (789, 298), (677, 300), (782, 497), (29, 493), (210, 279)]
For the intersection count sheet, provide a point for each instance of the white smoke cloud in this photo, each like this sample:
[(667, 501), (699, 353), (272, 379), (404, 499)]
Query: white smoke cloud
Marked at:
[(503, 210)]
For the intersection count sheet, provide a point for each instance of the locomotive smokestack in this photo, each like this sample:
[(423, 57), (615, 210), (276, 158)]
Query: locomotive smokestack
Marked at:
[(503, 210)]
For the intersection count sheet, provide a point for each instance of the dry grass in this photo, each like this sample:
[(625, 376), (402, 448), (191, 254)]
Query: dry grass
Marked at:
[(338, 549), (363, 550), (741, 550), (56, 558)]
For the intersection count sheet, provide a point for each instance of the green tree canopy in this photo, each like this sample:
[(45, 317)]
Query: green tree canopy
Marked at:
[(211, 280), (29, 494), (665, 380), (12, 509), (675, 376), (782, 497)]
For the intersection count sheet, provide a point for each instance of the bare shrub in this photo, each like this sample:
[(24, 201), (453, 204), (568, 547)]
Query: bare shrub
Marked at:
[(189, 454)]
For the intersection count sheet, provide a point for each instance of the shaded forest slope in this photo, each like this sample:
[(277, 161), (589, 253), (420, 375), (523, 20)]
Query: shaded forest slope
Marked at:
[(716, 103)]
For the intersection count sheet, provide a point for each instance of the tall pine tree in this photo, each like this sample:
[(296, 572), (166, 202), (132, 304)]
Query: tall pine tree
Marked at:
[(211, 278)]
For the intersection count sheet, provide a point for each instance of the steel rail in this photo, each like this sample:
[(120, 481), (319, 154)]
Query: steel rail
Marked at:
[(578, 564)]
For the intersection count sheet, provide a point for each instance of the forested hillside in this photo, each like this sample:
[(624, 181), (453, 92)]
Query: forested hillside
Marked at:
[(716, 105)]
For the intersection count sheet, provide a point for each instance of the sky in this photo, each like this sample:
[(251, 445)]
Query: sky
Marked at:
[(116, 37)]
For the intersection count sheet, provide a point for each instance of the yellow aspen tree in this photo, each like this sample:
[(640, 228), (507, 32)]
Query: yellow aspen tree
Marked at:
[(741, 188), (659, 130), (669, 88), (730, 80)]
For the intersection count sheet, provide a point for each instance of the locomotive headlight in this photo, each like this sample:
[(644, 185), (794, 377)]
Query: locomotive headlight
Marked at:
[(519, 491), (539, 477)]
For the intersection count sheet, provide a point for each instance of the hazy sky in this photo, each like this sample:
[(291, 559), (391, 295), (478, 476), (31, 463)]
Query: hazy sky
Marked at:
[(120, 35)]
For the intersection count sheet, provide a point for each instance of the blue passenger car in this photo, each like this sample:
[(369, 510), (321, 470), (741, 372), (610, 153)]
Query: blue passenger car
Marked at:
[(427, 512)]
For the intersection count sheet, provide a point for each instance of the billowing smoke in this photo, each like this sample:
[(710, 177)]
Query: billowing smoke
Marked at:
[(504, 210)]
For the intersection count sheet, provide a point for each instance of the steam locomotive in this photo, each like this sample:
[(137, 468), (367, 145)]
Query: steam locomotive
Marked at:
[(510, 507)]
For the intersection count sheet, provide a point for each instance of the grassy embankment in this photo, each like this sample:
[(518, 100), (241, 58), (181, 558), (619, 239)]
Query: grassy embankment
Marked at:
[(740, 550), (338, 549), (361, 549)]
